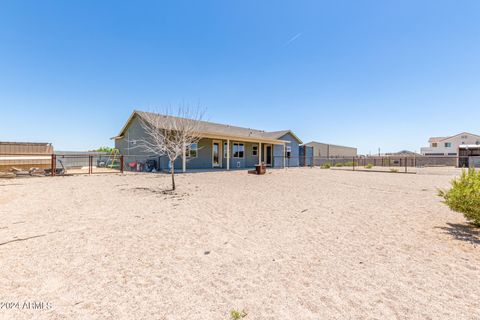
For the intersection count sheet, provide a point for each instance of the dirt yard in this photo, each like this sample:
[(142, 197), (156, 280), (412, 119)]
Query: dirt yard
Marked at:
[(293, 244)]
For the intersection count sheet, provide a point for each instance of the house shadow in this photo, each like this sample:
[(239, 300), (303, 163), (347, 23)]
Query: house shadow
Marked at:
[(463, 232)]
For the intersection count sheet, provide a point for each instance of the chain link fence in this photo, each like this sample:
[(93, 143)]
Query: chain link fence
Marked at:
[(85, 163), (380, 163)]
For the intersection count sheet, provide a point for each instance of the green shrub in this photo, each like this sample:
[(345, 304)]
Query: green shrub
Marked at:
[(369, 166), (236, 315), (464, 196), (350, 164), (104, 149), (339, 165), (325, 166)]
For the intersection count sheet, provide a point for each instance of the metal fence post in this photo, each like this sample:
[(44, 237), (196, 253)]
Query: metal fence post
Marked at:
[(353, 163), (121, 164), (54, 164), (90, 163), (406, 164)]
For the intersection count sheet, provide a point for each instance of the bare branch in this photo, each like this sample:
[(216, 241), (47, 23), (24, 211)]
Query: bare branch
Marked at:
[(169, 135)]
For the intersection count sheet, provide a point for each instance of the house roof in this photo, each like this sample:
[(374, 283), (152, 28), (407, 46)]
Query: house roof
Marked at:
[(282, 133), (404, 152), (436, 139), (211, 129), (439, 139)]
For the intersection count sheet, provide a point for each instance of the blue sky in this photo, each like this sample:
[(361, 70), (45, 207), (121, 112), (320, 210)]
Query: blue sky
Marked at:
[(370, 74)]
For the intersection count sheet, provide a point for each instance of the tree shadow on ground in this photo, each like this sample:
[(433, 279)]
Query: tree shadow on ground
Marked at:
[(463, 232), (166, 192)]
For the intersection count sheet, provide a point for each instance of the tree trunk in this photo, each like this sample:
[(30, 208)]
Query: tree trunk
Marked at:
[(172, 170)]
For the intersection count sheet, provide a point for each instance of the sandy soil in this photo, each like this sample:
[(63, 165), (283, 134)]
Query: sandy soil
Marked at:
[(293, 244)]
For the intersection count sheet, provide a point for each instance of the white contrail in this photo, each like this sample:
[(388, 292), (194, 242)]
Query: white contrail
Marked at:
[(295, 37)]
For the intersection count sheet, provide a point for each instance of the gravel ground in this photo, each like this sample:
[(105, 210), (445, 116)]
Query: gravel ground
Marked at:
[(293, 244)]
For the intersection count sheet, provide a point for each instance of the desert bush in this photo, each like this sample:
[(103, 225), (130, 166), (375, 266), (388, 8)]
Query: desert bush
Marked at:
[(237, 315), (369, 166), (339, 165), (350, 164), (325, 166), (464, 196), (393, 170)]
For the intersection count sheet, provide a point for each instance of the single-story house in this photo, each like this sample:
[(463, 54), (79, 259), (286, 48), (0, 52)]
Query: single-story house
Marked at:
[(221, 146)]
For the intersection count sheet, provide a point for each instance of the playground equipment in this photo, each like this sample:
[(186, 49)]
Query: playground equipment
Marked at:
[(112, 161)]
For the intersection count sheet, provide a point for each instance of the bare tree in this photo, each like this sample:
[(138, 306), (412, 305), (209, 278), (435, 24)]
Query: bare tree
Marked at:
[(169, 135)]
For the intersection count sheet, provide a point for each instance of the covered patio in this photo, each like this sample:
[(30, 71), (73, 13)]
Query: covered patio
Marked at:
[(215, 152)]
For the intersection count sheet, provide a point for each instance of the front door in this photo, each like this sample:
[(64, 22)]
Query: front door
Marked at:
[(268, 155), (216, 154)]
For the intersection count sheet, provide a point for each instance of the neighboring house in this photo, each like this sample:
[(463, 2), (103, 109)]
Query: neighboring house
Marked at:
[(25, 155), (448, 146), (325, 150), (221, 146), (469, 155)]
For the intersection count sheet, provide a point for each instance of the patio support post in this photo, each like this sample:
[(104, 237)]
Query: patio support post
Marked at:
[(228, 154), (259, 153), (184, 158)]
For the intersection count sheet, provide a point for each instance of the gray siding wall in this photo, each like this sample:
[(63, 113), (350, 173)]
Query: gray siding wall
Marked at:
[(293, 161), (203, 159), (277, 156), (128, 145), (248, 160)]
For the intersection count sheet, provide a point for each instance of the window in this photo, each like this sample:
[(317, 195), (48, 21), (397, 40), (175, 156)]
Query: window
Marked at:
[(255, 150), (192, 150), (288, 151), (464, 137), (448, 144), (225, 150), (452, 154), (434, 145), (478, 142), (238, 150)]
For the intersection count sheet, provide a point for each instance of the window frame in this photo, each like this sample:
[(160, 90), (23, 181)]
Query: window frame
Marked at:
[(238, 144), (447, 144), (189, 150), (255, 150), (288, 151)]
